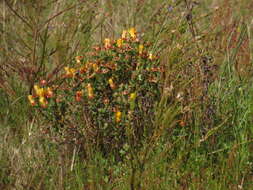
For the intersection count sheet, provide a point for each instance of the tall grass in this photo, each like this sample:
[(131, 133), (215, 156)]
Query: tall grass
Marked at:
[(203, 135)]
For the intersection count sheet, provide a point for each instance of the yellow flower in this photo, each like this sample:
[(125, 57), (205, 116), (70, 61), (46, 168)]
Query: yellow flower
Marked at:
[(95, 67), (90, 91), (36, 88), (132, 96), (39, 91), (43, 102), (107, 43), (132, 32), (118, 115), (70, 72), (124, 34), (150, 56), (78, 59), (111, 83), (31, 100), (141, 47), (119, 43)]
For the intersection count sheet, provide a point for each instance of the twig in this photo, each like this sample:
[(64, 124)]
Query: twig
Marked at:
[(59, 13), (18, 15)]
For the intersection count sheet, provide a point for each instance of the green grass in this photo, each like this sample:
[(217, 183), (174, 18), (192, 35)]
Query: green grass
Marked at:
[(203, 140)]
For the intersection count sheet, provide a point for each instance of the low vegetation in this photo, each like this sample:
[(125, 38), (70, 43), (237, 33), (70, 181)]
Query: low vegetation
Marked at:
[(133, 94)]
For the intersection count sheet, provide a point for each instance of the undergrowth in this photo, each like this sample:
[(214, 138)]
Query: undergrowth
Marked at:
[(168, 107)]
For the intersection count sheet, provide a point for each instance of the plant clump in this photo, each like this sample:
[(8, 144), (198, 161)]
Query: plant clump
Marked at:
[(106, 96)]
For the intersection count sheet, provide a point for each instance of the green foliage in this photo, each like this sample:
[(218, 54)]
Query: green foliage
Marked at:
[(112, 116), (115, 86)]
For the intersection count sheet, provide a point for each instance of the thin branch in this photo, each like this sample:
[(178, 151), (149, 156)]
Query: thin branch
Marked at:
[(18, 15), (59, 13)]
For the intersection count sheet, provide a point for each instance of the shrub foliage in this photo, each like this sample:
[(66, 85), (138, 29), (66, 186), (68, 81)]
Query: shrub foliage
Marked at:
[(106, 96)]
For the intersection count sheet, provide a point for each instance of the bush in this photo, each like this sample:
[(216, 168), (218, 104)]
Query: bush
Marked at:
[(106, 97)]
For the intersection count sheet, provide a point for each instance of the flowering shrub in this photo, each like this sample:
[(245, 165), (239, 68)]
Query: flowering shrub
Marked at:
[(106, 96)]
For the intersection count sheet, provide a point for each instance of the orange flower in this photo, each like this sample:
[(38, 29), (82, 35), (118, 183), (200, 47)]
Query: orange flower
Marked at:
[(43, 82), (118, 115), (90, 91), (49, 93), (31, 100), (111, 83), (79, 95)]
